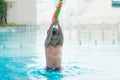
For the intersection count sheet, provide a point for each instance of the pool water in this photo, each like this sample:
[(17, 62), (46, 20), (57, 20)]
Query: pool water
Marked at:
[(22, 58)]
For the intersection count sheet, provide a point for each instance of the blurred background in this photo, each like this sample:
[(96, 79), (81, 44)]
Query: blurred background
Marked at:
[(96, 21)]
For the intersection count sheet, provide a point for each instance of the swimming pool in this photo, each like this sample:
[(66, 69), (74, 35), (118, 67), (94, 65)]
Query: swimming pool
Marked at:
[(22, 58)]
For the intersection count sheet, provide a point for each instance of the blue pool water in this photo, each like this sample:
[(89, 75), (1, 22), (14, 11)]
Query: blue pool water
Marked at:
[(22, 58)]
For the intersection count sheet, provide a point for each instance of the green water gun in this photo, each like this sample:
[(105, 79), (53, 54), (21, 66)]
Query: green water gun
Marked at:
[(57, 11)]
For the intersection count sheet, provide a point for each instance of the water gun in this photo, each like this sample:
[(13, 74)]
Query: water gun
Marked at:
[(57, 11)]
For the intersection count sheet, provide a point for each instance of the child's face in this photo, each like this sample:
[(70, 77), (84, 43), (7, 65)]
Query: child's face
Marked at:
[(55, 39)]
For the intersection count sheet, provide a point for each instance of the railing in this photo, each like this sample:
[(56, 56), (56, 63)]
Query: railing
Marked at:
[(97, 33), (17, 38)]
